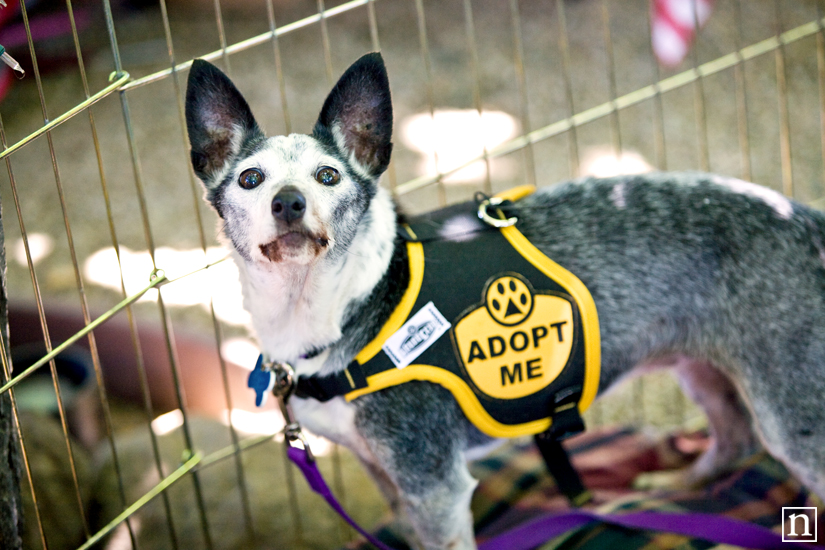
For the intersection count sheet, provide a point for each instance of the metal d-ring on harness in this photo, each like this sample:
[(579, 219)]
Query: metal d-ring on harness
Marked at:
[(487, 218)]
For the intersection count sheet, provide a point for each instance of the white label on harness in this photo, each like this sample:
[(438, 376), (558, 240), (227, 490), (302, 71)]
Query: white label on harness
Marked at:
[(418, 333)]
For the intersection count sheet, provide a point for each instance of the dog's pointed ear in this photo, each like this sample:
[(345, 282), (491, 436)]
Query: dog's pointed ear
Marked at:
[(357, 115), (218, 120)]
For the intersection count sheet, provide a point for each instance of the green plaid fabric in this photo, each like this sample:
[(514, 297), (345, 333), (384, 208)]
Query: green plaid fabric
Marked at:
[(514, 487)]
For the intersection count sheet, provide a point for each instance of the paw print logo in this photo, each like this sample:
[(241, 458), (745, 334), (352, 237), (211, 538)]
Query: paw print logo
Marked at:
[(509, 299)]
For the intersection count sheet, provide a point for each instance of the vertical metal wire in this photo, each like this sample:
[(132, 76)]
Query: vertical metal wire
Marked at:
[(279, 67), (5, 357), (294, 507), (820, 64), (292, 488), (344, 530), (84, 306), (48, 344), (472, 46), (528, 153), (428, 86), (784, 122), (638, 385), (700, 110), (376, 46), (741, 98), (659, 142), (221, 35), (615, 130), (35, 284), (373, 20), (196, 200), (164, 314), (564, 47), (596, 412), (325, 39), (143, 378)]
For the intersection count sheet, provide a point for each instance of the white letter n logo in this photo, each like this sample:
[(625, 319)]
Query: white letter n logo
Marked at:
[(793, 518), (790, 523)]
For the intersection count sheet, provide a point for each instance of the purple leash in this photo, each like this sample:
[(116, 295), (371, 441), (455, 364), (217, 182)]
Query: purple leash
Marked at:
[(316, 482), (709, 527), (279, 378)]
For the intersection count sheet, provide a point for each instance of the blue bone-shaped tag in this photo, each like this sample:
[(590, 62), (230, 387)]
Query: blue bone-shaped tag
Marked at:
[(261, 381)]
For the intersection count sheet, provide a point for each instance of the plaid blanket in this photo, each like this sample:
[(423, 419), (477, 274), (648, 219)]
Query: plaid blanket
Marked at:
[(514, 488)]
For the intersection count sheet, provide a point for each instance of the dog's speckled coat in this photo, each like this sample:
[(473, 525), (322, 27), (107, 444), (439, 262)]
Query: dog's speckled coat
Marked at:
[(718, 278)]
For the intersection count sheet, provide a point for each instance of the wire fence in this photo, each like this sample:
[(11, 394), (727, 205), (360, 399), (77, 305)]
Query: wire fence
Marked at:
[(570, 120)]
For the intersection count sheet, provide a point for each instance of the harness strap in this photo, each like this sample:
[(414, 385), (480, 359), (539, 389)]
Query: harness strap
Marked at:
[(324, 388), (558, 464)]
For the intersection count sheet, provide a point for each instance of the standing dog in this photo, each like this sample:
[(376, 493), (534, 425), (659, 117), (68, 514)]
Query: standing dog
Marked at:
[(719, 279)]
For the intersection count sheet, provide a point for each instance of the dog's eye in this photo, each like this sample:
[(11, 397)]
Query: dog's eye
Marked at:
[(251, 178), (327, 175)]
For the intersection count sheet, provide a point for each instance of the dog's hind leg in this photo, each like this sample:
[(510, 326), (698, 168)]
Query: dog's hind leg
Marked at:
[(791, 421), (729, 420), (729, 423)]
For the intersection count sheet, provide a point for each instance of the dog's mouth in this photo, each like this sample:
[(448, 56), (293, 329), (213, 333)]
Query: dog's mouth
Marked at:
[(292, 244)]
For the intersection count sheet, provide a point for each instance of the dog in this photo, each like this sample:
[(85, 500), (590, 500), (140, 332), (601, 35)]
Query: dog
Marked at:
[(721, 280)]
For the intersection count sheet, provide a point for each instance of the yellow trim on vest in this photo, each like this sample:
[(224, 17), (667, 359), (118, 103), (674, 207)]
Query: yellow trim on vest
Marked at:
[(516, 193), (579, 292), (462, 393), (399, 316)]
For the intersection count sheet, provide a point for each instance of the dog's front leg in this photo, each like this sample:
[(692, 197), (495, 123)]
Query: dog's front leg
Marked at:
[(440, 516), (440, 513), (416, 434), (437, 507)]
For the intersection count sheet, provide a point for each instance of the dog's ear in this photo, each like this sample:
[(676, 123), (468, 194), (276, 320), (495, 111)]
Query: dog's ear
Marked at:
[(357, 115), (218, 120)]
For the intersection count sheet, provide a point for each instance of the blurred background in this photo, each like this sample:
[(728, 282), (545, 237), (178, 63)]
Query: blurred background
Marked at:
[(487, 94)]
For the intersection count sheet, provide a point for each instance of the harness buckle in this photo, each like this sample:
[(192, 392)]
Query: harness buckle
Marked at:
[(490, 220)]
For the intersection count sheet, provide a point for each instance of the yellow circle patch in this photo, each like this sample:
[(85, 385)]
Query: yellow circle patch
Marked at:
[(509, 301), (517, 341)]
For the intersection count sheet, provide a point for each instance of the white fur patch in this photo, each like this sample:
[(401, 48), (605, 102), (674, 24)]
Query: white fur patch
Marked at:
[(617, 195), (780, 204), (334, 419), (460, 229)]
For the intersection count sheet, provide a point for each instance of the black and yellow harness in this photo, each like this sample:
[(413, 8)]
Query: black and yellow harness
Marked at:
[(513, 335), (522, 355)]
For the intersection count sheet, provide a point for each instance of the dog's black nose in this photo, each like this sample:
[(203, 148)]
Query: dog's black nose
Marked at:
[(289, 204)]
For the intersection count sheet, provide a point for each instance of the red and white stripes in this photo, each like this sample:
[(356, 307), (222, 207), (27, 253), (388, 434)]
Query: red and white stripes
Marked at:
[(674, 25)]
